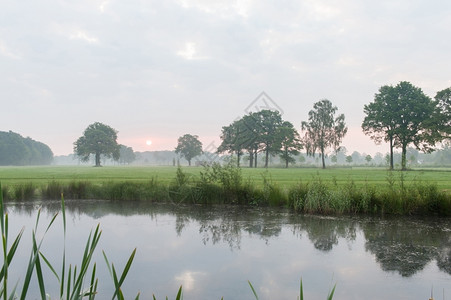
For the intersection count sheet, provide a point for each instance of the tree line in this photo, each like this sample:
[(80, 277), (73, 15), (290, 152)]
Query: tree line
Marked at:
[(15, 150), (400, 115)]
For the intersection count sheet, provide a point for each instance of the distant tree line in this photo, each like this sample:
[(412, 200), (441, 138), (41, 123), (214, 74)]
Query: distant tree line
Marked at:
[(265, 131), (16, 150)]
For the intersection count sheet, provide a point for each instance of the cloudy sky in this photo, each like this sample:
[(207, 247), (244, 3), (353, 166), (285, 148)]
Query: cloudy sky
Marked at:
[(155, 70)]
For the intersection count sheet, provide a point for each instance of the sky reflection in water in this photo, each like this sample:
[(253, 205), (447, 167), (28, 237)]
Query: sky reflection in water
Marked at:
[(213, 251)]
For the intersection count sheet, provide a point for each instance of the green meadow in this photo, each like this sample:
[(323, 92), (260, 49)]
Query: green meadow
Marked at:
[(306, 190), (378, 177)]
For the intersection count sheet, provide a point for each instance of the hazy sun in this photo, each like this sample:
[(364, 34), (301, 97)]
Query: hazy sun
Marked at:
[(148, 142)]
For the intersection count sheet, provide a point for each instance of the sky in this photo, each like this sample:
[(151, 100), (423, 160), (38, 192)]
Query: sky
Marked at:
[(156, 70)]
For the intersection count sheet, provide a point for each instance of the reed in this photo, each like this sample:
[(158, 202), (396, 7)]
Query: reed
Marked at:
[(330, 295), (71, 280)]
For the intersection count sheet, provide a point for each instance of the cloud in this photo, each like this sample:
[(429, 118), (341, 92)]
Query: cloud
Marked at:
[(194, 65), (5, 51), (84, 36)]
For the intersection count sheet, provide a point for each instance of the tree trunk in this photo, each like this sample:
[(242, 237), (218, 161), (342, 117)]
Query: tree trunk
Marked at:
[(98, 159), (189, 162), (255, 158), (403, 157), (251, 158), (286, 158), (238, 159), (322, 158), (267, 157), (391, 154)]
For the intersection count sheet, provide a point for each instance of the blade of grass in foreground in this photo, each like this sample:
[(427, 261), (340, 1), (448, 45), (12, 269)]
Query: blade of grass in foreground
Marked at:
[(253, 290), (301, 292)]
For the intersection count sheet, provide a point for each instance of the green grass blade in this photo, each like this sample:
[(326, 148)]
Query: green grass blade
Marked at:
[(38, 269), (37, 219), (12, 251), (2, 211), (69, 277), (107, 263), (63, 271), (179, 294), (27, 279), (92, 287), (253, 290), (12, 296), (301, 291), (127, 267), (331, 294), (50, 266), (116, 283), (63, 209)]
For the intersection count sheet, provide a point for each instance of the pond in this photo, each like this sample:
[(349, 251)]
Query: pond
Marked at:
[(212, 251)]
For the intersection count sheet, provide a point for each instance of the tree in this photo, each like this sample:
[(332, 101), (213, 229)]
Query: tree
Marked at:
[(380, 120), (98, 139), (442, 114), (323, 130), (333, 159), (126, 154), (17, 150), (254, 132), (349, 159), (291, 142), (368, 158), (401, 115), (189, 147), (413, 122), (269, 123)]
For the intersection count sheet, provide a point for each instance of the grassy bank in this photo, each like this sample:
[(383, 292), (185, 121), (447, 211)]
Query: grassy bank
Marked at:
[(343, 191), (283, 177)]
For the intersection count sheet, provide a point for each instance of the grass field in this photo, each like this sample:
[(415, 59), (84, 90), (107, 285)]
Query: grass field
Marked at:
[(284, 178)]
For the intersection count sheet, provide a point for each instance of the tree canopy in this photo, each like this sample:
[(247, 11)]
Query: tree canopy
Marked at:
[(401, 115), (323, 130), (290, 142), (17, 150), (442, 115), (262, 131), (98, 139), (189, 147)]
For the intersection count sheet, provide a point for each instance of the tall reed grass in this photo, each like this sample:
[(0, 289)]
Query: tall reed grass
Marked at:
[(75, 282)]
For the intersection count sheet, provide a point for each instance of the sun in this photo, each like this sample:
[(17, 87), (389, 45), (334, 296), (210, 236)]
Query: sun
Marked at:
[(148, 142)]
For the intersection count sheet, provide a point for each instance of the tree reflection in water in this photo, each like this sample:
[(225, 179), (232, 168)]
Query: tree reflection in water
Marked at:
[(399, 244)]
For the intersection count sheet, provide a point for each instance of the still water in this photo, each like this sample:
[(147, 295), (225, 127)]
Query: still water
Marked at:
[(213, 251)]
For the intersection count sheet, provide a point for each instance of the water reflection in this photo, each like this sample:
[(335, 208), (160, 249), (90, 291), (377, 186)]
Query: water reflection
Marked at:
[(402, 245)]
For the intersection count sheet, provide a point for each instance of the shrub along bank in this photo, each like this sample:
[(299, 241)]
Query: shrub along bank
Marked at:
[(224, 184)]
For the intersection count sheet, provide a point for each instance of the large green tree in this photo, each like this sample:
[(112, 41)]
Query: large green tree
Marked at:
[(323, 130), (290, 142), (269, 123), (381, 116), (232, 140), (98, 139), (442, 115), (254, 132), (189, 146), (414, 112), (402, 115)]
